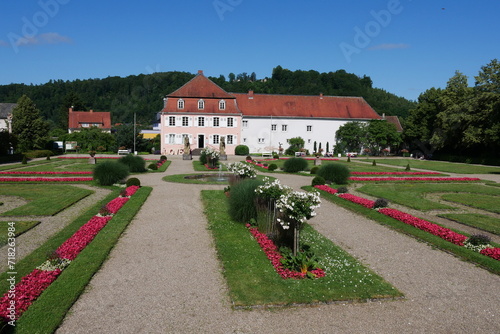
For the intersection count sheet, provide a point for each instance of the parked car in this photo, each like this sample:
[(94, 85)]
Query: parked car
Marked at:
[(352, 154)]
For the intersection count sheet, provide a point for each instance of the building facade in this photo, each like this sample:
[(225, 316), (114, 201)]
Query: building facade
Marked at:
[(206, 114)]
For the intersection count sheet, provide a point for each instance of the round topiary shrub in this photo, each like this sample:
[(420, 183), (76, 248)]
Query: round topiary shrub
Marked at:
[(318, 181), (407, 168), (248, 158), (133, 181), (334, 172), (272, 167), (153, 166), (342, 190), (374, 163), (276, 156), (479, 239), (163, 158), (134, 163), (314, 170), (295, 165), (25, 160), (380, 203), (110, 172), (241, 150), (242, 200)]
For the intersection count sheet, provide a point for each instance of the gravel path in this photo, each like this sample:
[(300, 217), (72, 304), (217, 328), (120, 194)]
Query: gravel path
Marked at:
[(164, 277)]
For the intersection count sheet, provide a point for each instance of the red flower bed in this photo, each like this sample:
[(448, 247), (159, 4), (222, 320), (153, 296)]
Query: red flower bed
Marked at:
[(116, 204), (45, 173), (358, 200), (26, 291), (309, 158), (78, 241), (414, 178), (491, 252), (326, 188), (45, 179), (131, 190), (275, 257), (442, 232), (395, 173), (258, 163)]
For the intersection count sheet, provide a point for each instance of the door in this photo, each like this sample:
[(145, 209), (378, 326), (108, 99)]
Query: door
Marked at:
[(201, 141)]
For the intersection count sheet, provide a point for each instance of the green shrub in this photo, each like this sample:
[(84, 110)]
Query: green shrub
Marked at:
[(163, 158), (380, 203), (48, 157), (407, 168), (276, 156), (242, 200), (294, 165), (349, 158), (248, 158), (479, 239), (241, 150), (314, 170), (317, 181), (134, 163), (203, 157), (342, 190), (133, 181), (38, 154), (153, 166), (272, 167), (25, 160), (374, 163), (334, 172), (110, 172)]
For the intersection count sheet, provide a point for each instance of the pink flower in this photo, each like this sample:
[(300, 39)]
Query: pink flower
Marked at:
[(414, 179), (358, 200), (45, 179), (326, 188), (492, 252)]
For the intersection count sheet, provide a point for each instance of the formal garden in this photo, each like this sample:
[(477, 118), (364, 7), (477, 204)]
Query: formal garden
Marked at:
[(263, 229)]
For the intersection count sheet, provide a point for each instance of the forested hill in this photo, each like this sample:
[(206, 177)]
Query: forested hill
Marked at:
[(143, 94)]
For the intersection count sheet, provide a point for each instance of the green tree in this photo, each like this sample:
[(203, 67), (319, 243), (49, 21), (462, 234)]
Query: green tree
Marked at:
[(89, 139), (71, 100), (351, 137), (296, 144), (382, 134), (28, 126)]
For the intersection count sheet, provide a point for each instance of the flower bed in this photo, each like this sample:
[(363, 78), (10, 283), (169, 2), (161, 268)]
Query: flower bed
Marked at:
[(32, 285), (395, 173), (45, 179), (310, 158), (258, 164), (272, 253), (435, 229), (45, 173), (455, 179)]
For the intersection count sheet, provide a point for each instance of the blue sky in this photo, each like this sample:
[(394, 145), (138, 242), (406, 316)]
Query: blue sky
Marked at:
[(405, 46)]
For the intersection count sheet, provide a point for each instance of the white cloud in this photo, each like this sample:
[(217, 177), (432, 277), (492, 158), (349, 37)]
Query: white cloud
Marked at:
[(389, 46), (46, 38)]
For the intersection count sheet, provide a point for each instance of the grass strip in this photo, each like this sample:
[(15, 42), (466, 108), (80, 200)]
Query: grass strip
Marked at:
[(479, 221), (253, 281), (49, 310), (21, 227), (440, 166), (486, 202), (484, 261), (44, 200)]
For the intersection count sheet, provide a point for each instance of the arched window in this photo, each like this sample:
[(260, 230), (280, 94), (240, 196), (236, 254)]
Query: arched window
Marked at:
[(180, 104), (222, 105), (201, 104)]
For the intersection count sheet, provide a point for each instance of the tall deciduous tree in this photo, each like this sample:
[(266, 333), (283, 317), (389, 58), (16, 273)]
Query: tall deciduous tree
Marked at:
[(28, 126), (350, 137), (382, 134)]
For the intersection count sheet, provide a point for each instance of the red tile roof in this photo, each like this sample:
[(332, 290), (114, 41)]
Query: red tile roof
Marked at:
[(305, 106), (394, 120), (76, 118), (201, 87)]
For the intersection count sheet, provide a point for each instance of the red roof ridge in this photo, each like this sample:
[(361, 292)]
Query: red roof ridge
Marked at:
[(201, 87)]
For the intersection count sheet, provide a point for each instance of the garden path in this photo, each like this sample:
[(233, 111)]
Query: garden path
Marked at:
[(163, 276)]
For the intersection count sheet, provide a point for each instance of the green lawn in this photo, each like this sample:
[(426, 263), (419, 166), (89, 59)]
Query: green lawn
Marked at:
[(480, 201), (43, 199), (441, 166), (252, 279), (20, 228), (412, 194), (482, 222)]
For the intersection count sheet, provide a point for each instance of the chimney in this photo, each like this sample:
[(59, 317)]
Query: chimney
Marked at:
[(71, 109), (164, 102), (91, 110), (200, 72), (250, 94), (321, 96), (383, 115)]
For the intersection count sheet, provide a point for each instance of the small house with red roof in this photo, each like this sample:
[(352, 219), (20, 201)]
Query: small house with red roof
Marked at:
[(87, 119), (205, 113)]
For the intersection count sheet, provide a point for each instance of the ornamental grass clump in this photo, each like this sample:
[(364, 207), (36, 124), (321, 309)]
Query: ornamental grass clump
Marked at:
[(314, 170), (295, 165), (380, 203), (342, 190), (334, 172), (110, 172), (134, 163), (318, 181), (242, 200), (477, 242)]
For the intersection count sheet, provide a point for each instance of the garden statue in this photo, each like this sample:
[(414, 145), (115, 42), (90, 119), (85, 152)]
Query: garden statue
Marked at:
[(187, 149), (222, 146)]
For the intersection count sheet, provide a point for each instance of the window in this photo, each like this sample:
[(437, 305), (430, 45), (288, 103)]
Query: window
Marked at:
[(273, 127), (244, 140), (201, 104), (216, 139), (222, 105), (171, 121), (230, 139), (262, 140), (201, 121), (216, 121), (230, 122), (180, 104), (245, 124), (85, 125), (171, 138), (284, 127), (185, 121), (309, 128)]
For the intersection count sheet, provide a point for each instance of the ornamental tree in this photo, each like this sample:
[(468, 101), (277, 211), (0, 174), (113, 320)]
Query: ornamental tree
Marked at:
[(28, 126)]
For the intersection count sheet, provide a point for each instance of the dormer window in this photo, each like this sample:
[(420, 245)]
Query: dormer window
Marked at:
[(180, 104), (201, 104), (222, 105)]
